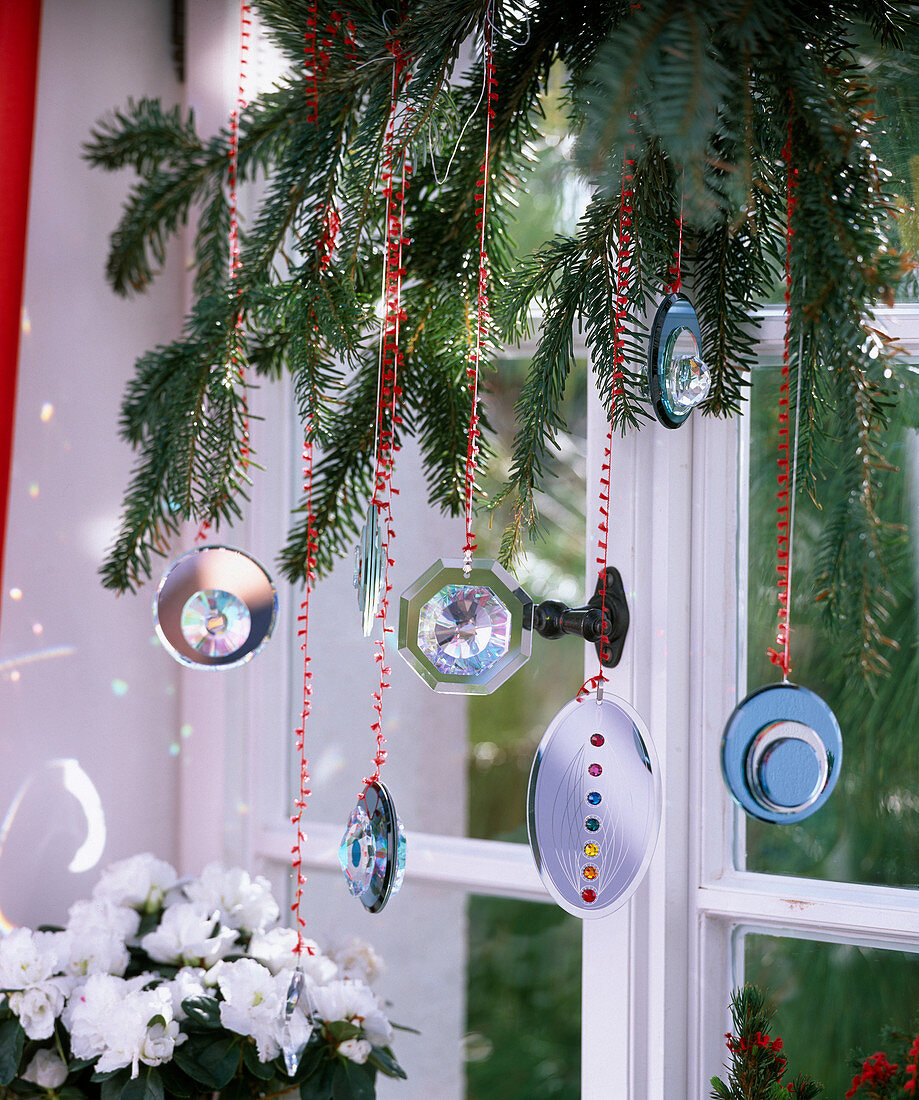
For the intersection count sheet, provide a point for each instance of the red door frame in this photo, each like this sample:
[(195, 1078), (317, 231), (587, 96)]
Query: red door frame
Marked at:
[(19, 34)]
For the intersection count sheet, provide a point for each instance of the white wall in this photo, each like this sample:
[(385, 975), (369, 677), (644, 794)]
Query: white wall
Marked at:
[(91, 685)]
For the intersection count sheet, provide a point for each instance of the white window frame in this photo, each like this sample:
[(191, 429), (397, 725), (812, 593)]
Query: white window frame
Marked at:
[(657, 975)]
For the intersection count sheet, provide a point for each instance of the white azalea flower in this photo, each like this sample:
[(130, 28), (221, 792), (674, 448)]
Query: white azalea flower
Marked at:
[(95, 938), (244, 903), (39, 1005), (253, 1004), (112, 1020), (187, 983), (358, 1050), (357, 959), (102, 913), (353, 1001), (46, 1070), (140, 882), (275, 949), (187, 936), (27, 957)]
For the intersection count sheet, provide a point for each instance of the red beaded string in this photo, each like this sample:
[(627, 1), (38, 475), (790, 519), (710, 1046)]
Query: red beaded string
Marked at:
[(303, 619), (235, 263), (623, 272), (483, 317), (396, 173), (780, 656)]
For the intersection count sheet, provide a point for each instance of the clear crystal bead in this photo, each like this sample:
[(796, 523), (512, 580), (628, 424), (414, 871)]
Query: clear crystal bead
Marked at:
[(215, 623), (687, 378), (357, 852), (464, 629), (400, 858)]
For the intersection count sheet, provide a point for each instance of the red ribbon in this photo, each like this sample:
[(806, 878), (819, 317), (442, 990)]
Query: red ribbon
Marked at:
[(780, 656)]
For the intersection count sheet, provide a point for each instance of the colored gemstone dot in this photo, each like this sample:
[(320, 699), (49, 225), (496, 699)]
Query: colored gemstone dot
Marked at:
[(589, 895), (594, 798), (597, 740), (595, 770), (591, 850), (592, 824), (589, 872)]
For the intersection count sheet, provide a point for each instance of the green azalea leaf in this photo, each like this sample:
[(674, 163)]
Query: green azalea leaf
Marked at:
[(263, 1070), (384, 1060), (202, 1011), (70, 1092), (341, 1030), (319, 1085), (353, 1082), (212, 1062), (113, 1083), (147, 1085), (177, 1083), (77, 1064), (12, 1040)]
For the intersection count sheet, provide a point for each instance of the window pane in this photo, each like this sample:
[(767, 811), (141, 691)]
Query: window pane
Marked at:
[(869, 829), (868, 989)]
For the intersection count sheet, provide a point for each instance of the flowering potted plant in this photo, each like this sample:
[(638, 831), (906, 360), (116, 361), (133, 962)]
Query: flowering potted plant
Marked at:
[(159, 988)]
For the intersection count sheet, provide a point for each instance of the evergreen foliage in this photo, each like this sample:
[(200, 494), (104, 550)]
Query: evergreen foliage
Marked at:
[(703, 94)]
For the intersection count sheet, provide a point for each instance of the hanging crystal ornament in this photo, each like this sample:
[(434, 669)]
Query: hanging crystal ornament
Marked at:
[(781, 752), (214, 608), (594, 805), (372, 855), (594, 795), (465, 632), (465, 625), (678, 380), (368, 569), (372, 850)]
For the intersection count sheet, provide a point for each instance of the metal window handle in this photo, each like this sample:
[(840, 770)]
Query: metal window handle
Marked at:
[(554, 619)]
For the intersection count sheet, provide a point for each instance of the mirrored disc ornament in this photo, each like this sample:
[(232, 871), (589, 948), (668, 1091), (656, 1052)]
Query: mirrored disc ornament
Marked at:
[(678, 379), (214, 608), (594, 805), (781, 753), (368, 569), (465, 635), (372, 850)]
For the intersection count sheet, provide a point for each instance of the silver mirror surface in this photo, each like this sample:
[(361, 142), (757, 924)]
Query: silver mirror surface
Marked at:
[(594, 805), (214, 608), (368, 570)]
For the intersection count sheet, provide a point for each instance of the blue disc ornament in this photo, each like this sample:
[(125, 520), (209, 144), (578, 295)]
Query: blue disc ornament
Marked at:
[(372, 849), (781, 753)]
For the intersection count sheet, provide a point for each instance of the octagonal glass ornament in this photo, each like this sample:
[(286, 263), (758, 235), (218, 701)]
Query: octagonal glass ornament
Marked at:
[(214, 608), (368, 569), (372, 850), (465, 635), (678, 380), (594, 805)]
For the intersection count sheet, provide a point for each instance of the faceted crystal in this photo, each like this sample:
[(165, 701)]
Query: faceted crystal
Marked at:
[(293, 1040), (592, 824), (589, 895), (216, 623), (464, 629), (591, 850), (594, 798), (589, 872), (400, 858), (595, 770), (597, 740), (357, 852), (687, 379)]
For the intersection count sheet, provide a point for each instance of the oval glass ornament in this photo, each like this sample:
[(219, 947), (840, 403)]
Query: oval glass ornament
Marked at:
[(678, 380), (368, 569), (465, 634), (372, 850), (214, 608), (781, 753), (593, 835)]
